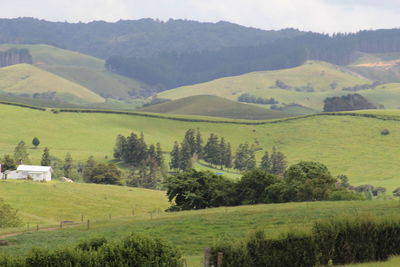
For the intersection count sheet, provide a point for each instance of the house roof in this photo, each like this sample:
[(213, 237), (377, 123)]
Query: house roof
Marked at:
[(31, 168)]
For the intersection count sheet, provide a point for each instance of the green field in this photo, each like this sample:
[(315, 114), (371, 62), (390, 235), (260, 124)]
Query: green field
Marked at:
[(346, 144), (318, 75), (28, 79), (207, 105), (80, 69), (192, 231), (50, 203)]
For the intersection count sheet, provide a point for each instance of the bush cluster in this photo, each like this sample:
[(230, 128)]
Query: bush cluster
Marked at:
[(304, 181), (133, 250), (337, 241)]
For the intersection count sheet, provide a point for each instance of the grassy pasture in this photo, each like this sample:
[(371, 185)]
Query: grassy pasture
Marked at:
[(207, 105), (81, 69), (192, 231), (319, 75), (24, 78), (346, 144), (50, 203)]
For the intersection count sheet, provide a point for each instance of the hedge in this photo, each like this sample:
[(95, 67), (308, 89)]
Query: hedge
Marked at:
[(337, 241), (133, 250)]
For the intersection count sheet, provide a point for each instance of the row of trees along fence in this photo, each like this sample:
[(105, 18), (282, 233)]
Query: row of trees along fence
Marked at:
[(336, 241)]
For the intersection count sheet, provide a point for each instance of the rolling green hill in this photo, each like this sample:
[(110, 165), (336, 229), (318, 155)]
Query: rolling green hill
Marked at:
[(323, 78), (28, 79), (346, 144), (206, 105), (81, 69), (378, 67)]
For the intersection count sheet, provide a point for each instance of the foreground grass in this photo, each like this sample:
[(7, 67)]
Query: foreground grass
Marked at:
[(192, 231), (50, 203), (392, 262)]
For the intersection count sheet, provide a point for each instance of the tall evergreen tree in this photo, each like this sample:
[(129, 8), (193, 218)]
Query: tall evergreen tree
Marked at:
[(228, 156), (211, 150), (266, 163), (21, 155), (190, 141), (186, 157), (120, 146), (68, 165), (221, 155), (90, 164), (199, 144), (278, 162), (46, 161), (159, 156), (175, 157)]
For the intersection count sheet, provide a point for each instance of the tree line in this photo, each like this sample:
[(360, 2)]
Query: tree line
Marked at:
[(172, 70), (304, 181), (145, 162), (15, 56), (248, 98), (218, 153)]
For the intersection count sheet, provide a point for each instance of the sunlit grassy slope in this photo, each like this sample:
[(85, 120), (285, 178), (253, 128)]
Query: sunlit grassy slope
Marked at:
[(50, 203), (348, 145), (25, 78), (319, 75), (82, 69), (378, 67), (207, 105)]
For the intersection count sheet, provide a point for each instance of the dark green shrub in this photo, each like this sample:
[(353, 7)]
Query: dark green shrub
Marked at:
[(341, 241), (92, 244), (345, 195), (134, 250)]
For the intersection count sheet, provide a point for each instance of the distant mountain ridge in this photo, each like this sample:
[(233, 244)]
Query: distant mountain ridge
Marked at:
[(144, 37)]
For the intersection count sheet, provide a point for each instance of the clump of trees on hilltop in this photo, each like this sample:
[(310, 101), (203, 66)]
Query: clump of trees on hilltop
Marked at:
[(304, 181), (218, 153), (347, 102), (146, 162)]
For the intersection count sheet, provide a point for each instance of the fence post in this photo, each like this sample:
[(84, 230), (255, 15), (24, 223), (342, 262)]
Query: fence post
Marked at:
[(82, 218), (28, 226), (219, 259), (61, 224), (37, 227), (109, 216), (133, 212), (88, 224), (207, 257)]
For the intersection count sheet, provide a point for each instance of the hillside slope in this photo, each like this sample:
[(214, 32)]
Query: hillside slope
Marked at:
[(206, 105), (55, 201), (346, 144), (85, 70), (310, 84), (28, 79)]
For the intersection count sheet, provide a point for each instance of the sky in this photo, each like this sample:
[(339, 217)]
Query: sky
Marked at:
[(326, 16)]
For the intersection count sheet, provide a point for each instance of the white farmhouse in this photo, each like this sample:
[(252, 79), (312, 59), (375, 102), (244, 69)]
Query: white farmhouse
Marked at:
[(36, 173)]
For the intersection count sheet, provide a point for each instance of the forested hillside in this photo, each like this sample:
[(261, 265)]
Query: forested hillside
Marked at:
[(144, 37), (173, 70)]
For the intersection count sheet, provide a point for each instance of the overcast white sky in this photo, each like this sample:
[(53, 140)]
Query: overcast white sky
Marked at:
[(315, 15)]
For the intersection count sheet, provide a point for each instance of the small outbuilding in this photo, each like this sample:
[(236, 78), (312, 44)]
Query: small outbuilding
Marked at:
[(25, 172)]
